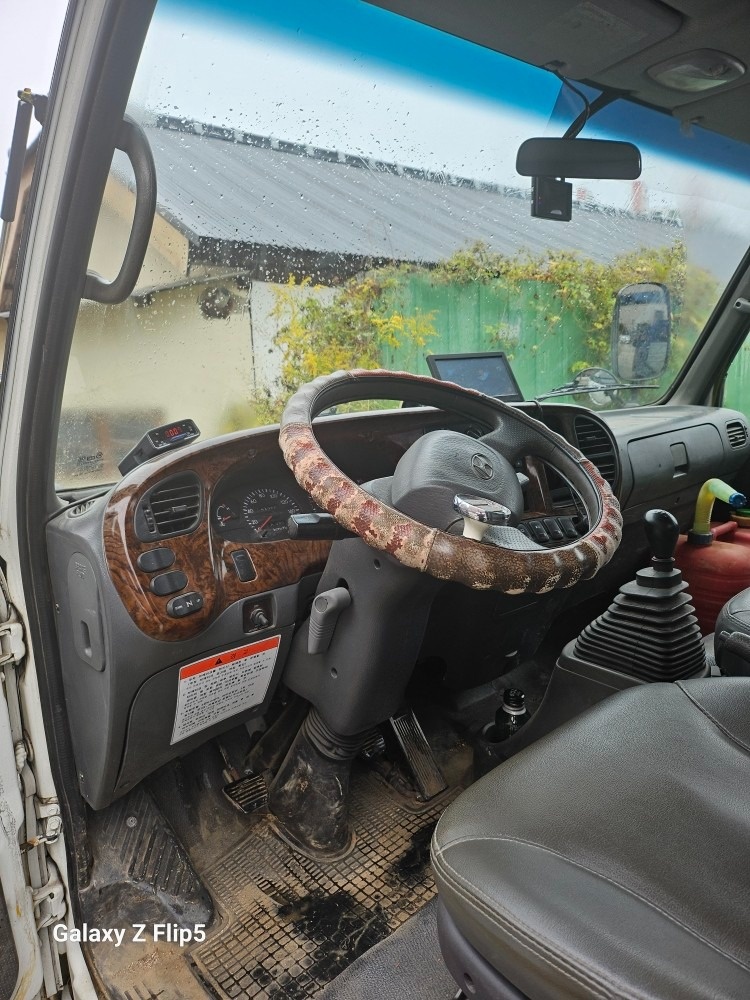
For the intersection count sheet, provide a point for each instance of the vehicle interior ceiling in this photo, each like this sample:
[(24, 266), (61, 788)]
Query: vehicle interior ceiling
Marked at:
[(383, 684)]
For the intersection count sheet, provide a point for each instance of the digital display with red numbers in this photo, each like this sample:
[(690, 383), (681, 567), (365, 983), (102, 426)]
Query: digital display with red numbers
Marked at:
[(158, 440), (169, 434)]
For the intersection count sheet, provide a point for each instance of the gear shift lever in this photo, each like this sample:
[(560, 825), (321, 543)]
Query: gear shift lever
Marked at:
[(649, 631), (662, 532), (479, 513)]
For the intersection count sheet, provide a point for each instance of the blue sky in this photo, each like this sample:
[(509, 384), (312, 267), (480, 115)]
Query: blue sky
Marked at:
[(30, 32), (349, 26), (340, 28)]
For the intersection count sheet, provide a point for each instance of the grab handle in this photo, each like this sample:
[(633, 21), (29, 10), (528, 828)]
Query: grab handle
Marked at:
[(131, 139)]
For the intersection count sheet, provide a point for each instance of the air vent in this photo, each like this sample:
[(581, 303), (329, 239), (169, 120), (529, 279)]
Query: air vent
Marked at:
[(81, 508), (173, 507), (737, 434), (594, 441)]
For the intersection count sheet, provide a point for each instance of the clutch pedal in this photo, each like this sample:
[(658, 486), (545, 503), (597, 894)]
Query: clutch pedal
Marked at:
[(413, 742), (248, 794)]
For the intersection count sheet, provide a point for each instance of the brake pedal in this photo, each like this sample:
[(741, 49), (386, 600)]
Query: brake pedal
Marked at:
[(248, 794), (373, 746), (413, 742)]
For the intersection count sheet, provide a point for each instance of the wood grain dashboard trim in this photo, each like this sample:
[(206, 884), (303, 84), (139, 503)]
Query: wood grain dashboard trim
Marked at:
[(203, 555)]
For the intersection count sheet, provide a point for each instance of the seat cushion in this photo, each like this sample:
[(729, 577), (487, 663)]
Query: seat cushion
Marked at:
[(733, 617), (612, 857)]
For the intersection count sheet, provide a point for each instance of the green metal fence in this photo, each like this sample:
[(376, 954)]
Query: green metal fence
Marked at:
[(737, 388), (542, 338)]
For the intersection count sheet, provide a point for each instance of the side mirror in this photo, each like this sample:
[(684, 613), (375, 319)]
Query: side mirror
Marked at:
[(641, 331)]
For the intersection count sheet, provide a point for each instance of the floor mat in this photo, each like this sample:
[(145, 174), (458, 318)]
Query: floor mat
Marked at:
[(291, 925), (408, 964)]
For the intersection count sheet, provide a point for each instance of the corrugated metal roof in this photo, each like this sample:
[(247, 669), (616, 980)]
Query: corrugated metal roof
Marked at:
[(244, 192)]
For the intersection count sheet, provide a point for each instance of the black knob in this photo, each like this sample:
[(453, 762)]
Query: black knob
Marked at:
[(662, 532), (258, 619), (514, 698)]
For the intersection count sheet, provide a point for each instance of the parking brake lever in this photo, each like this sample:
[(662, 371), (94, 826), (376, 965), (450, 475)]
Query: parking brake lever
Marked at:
[(479, 513)]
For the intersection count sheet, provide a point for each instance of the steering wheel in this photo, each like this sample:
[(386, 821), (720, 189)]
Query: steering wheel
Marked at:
[(411, 521)]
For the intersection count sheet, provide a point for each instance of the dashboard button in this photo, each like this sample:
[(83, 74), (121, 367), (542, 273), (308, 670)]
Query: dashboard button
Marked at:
[(185, 604), (243, 565), (538, 531), (553, 528), (168, 583), (155, 559), (566, 523)]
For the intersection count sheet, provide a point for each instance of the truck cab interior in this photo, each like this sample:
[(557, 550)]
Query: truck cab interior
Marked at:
[(374, 498)]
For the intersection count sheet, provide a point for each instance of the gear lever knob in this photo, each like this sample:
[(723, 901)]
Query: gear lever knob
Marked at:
[(662, 532), (479, 513)]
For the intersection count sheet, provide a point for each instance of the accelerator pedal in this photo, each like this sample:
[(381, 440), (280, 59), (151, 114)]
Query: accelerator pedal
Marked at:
[(423, 766), (247, 794)]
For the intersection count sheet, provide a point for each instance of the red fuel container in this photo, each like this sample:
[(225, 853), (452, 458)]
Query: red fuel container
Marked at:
[(717, 571)]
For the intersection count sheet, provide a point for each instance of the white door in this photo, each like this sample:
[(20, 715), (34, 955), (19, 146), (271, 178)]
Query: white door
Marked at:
[(20, 965)]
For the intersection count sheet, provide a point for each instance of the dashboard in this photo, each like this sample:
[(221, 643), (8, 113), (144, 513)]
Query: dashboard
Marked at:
[(209, 521), (189, 557)]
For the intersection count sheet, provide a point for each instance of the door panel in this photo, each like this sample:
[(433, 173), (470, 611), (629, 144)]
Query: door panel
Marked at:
[(20, 961)]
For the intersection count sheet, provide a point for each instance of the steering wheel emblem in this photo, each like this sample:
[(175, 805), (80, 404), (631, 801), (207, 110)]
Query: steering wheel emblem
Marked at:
[(482, 466)]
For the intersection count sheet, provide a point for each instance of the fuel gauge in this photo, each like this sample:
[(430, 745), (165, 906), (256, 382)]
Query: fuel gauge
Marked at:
[(224, 515)]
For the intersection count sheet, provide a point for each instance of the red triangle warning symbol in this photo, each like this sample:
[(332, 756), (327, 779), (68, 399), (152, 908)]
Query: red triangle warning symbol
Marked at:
[(218, 662)]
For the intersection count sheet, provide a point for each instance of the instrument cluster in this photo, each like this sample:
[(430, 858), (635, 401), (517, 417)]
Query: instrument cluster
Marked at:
[(258, 513)]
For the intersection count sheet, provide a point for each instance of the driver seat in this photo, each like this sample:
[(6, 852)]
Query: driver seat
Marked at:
[(609, 859)]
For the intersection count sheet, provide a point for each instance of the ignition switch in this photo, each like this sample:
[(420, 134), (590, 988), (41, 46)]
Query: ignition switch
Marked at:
[(257, 614)]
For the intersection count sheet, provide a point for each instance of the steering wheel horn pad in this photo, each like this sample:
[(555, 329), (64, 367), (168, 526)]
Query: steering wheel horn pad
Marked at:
[(441, 464), (428, 549)]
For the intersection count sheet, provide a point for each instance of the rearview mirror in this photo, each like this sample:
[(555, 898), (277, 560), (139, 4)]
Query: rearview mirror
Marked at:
[(641, 331), (586, 158)]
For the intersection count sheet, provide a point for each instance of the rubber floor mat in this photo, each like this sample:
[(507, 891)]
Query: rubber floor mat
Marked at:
[(291, 925)]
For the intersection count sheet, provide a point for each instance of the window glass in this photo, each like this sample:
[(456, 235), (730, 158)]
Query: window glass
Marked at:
[(337, 188), (738, 379)]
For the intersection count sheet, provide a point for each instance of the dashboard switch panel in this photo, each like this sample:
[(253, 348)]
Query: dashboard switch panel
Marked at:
[(155, 559), (553, 528), (168, 583), (243, 565), (568, 527), (185, 604), (538, 531), (553, 531)]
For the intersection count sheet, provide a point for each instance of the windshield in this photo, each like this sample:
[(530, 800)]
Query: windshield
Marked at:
[(337, 189)]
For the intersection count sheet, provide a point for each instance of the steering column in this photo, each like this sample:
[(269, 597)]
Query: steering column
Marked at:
[(411, 537)]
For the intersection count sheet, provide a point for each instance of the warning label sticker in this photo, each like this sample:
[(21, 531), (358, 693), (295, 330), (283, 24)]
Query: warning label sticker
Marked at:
[(213, 689)]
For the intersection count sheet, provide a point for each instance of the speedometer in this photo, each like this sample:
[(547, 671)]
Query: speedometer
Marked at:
[(267, 510)]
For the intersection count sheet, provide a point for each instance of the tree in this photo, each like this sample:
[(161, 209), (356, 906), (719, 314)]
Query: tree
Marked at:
[(350, 331)]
